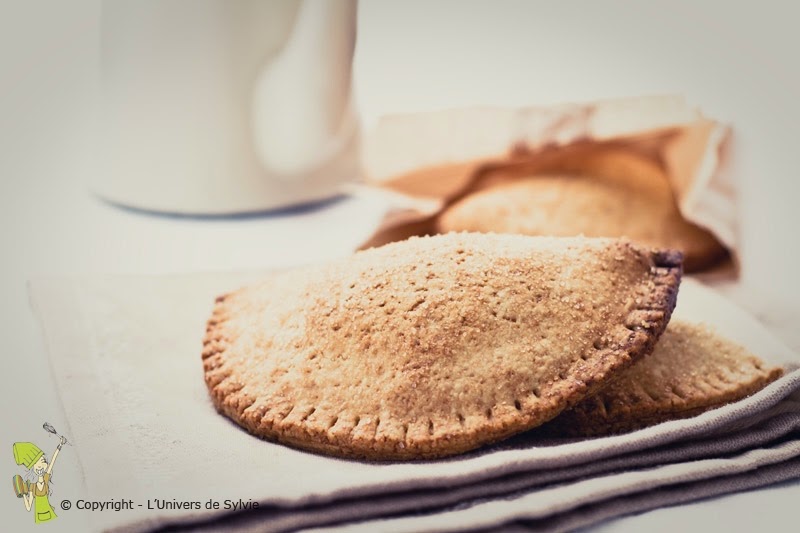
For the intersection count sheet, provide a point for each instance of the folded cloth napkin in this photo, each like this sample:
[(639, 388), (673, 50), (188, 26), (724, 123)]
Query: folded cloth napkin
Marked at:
[(125, 353)]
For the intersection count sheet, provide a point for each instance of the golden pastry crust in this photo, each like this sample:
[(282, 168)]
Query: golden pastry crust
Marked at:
[(599, 194), (436, 345), (690, 371)]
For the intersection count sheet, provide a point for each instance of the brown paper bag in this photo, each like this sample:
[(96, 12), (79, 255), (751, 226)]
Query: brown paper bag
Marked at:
[(430, 160)]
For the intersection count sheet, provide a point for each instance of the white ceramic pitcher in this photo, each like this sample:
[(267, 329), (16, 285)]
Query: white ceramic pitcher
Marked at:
[(226, 106)]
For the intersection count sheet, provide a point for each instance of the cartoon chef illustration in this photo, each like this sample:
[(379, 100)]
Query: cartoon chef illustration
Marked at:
[(36, 491)]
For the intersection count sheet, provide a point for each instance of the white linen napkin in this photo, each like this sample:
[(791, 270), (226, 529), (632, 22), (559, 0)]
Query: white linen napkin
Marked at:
[(125, 352)]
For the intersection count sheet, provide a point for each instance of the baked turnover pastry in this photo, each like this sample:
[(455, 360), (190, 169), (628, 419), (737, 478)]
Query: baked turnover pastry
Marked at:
[(436, 345), (598, 194), (691, 370)]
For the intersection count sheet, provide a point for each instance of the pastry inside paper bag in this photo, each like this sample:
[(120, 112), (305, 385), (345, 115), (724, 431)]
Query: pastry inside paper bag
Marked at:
[(437, 345), (691, 370), (608, 193)]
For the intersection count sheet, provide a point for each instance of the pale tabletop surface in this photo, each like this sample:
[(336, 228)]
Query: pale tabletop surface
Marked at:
[(739, 66)]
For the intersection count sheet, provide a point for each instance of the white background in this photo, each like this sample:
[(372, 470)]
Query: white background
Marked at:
[(739, 63)]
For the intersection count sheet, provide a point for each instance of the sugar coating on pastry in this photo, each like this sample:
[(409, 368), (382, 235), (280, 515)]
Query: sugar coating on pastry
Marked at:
[(601, 194), (435, 345), (691, 370)]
